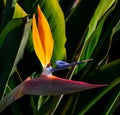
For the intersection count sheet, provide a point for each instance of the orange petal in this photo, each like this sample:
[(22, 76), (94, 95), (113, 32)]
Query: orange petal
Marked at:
[(45, 36), (42, 38), (37, 43)]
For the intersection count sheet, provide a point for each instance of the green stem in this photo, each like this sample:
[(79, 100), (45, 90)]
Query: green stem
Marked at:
[(10, 98)]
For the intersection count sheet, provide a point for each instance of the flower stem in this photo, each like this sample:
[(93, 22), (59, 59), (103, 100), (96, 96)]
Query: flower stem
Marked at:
[(9, 98)]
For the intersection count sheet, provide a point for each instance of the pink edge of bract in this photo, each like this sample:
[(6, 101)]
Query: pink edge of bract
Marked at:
[(52, 85)]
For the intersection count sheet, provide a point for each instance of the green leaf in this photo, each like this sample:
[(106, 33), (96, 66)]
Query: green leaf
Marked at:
[(8, 13), (116, 28), (102, 8), (100, 95), (76, 27), (10, 26), (44, 104), (108, 73), (111, 70), (113, 103), (103, 49), (12, 51), (90, 43), (19, 12)]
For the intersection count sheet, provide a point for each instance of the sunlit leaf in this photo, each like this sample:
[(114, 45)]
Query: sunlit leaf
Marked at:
[(91, 43), (76, 26), (99, 12), (19, 12)]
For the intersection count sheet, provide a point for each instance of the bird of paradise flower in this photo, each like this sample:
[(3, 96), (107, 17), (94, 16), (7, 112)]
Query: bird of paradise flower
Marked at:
[(46, 84)]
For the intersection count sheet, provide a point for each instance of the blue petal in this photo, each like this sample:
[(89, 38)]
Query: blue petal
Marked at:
[(63, 64), (60, 65)]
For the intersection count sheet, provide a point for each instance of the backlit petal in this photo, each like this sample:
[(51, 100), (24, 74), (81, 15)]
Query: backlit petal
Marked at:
[(45, 36), (42, 38), (37, 43)]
